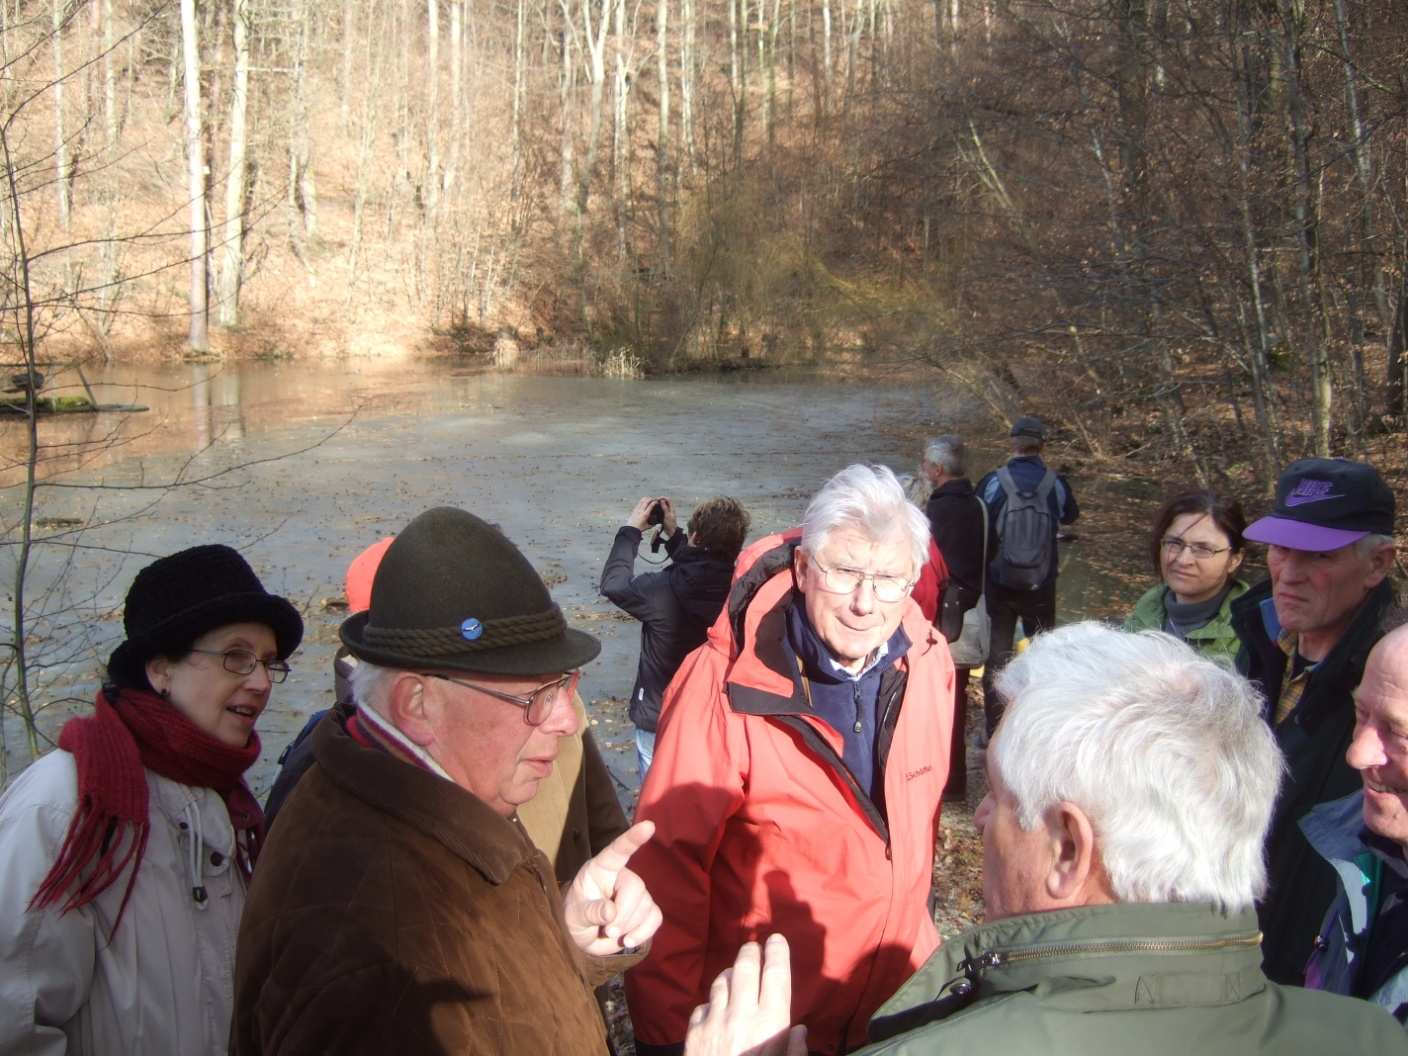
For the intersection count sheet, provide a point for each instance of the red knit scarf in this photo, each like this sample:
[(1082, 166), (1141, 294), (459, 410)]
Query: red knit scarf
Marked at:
[(131, 730)]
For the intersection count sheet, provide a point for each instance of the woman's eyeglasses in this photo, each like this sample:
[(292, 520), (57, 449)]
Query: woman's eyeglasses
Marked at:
[(1174, 546), (243, 662)]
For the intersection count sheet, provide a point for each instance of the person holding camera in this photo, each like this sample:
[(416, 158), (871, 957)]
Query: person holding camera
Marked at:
[(675, 605)]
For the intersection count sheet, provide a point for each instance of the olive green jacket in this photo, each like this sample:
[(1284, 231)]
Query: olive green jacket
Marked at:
[(1215, 639), (1161, 979)]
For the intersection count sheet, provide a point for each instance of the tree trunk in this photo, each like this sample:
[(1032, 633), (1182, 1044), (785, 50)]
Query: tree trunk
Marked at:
[(663, 190), (198, 334), (1306, 227), (516, 119), (302, 189), (58, 18), (344, 95), (232, 238), (457, 130), (432, 116), (687, 68), (108, 268), (620, 129), (566, 178)]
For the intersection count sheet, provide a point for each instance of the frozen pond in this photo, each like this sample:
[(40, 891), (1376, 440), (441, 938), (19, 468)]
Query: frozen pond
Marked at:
[(558, 462)]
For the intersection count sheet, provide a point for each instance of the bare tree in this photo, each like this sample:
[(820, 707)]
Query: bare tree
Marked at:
[(232, 235), (198, 334)]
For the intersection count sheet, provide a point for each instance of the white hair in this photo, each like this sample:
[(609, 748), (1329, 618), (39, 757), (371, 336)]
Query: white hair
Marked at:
[(868, 500), (1165, 751), (948, 453), (370, 683)]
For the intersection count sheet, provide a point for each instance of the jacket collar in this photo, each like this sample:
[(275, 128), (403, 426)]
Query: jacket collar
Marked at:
[(961, 486), (816, 657), (436, 808), (1091, 959)]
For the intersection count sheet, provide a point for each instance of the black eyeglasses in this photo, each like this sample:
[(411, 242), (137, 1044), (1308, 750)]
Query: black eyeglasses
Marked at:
[(243, 662), (537, 706)]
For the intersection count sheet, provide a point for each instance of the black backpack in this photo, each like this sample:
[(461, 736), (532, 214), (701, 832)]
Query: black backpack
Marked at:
[(1026, 540)]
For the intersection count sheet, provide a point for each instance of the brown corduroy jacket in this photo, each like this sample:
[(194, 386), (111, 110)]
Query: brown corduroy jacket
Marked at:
[(394, 912)]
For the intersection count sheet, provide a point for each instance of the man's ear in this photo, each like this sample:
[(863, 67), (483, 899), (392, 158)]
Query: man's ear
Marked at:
[(1381, 563), (411, 709), (1076, 877)]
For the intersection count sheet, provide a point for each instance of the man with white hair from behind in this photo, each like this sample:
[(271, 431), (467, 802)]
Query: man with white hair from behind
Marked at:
[(1131, 787)]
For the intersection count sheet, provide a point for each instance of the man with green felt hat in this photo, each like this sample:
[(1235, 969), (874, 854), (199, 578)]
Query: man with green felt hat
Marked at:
[(401, 906)]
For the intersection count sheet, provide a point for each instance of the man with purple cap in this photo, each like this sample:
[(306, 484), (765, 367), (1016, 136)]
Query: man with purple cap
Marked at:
[(1306, 634)]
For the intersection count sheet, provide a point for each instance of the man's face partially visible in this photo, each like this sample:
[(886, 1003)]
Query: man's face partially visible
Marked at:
[(1379, 750), (485, 745), (1016, 861), (1319, 591), (853, 625)]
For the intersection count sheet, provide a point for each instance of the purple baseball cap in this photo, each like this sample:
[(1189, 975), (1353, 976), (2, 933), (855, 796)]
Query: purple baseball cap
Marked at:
[(1326, 504)]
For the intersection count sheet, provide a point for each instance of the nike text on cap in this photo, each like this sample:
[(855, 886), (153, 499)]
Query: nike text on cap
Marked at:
[(1326, 504)]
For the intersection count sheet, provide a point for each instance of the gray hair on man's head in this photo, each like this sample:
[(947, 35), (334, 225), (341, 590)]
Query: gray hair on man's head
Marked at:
[(1371, 544), (948, 453), (1165, 751), (370, 684), (868, 500)]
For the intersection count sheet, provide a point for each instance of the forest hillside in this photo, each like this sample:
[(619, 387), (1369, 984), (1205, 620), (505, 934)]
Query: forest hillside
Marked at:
[(1176, 225)]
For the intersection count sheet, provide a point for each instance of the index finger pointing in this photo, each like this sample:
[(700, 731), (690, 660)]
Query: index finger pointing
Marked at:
[(618, 852)]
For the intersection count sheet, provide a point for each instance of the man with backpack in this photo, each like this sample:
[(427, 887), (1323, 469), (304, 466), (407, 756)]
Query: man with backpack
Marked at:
[(1027, 503)]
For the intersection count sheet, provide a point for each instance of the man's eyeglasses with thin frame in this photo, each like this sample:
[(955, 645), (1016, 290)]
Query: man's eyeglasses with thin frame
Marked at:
[(888, 588), (243, 662), (1175, 545), (537, 706)]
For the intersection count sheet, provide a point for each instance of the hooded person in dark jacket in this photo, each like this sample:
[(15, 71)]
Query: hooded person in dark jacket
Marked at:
[(677, 604)]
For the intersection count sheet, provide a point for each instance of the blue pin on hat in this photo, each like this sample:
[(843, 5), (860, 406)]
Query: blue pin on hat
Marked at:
[(471, 629)]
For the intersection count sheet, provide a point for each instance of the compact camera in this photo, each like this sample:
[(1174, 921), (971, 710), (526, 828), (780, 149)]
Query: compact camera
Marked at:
[(657, 515)]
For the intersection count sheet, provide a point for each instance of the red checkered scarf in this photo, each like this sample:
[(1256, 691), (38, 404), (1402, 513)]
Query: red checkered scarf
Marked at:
[(129, 731)]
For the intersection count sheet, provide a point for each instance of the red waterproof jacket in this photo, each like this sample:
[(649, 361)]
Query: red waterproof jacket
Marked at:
[(761, 828)]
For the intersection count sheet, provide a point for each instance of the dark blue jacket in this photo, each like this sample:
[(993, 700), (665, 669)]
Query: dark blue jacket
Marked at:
[(675, 607), (1027, 471)]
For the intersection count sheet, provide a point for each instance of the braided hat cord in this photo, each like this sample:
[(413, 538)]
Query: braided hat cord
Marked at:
[(447, 641)]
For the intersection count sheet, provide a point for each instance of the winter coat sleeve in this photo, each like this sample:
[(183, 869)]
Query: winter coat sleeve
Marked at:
[(643, 596), (49, 958), (694, 786)]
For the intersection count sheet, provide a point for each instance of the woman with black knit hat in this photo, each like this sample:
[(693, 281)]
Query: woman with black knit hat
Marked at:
[(124, 855)]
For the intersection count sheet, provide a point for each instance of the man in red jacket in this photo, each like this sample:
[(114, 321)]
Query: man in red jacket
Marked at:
[(799, 765)]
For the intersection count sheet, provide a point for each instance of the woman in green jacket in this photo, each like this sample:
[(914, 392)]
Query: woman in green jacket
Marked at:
[(1196, 547)]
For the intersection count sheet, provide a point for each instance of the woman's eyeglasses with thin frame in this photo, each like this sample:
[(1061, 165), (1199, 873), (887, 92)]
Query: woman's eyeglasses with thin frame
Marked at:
[(243, 662)]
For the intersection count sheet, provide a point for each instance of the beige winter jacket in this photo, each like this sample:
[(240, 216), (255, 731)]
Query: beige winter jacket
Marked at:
[(162, 985)]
